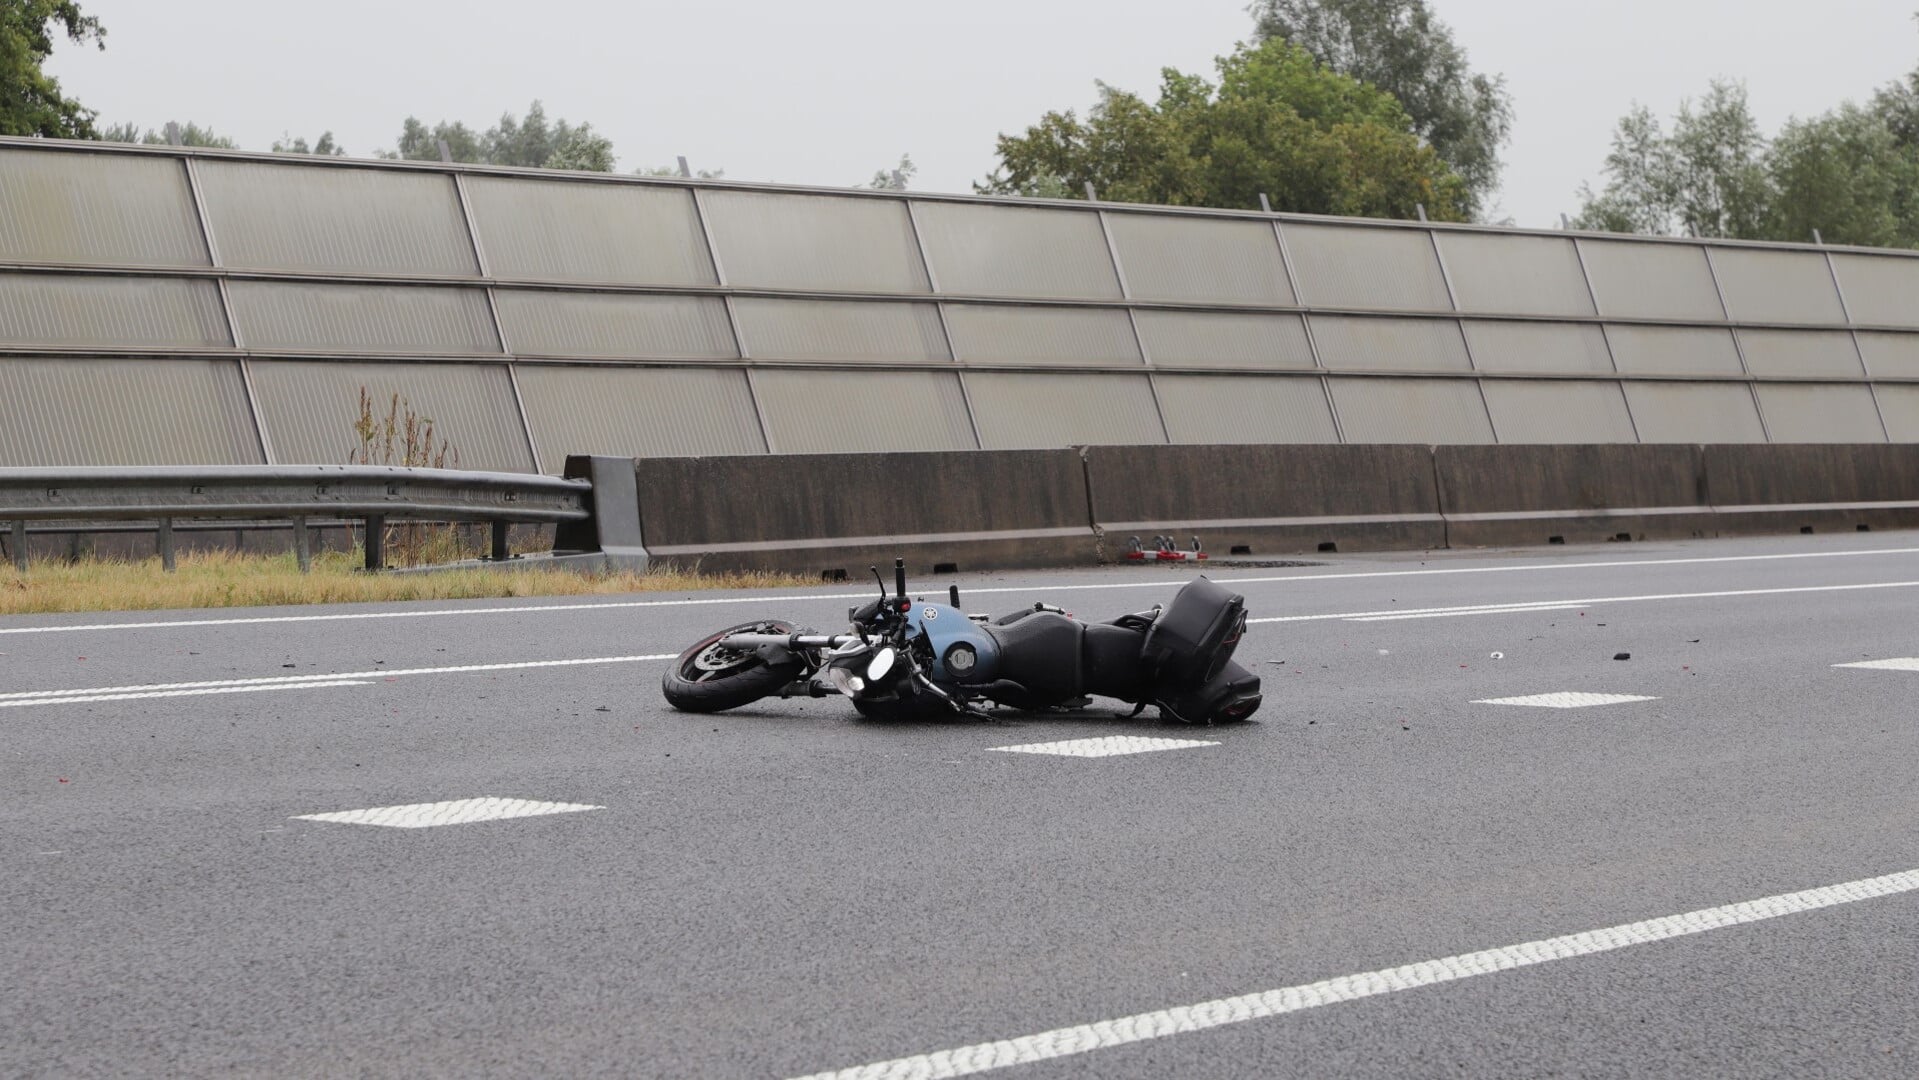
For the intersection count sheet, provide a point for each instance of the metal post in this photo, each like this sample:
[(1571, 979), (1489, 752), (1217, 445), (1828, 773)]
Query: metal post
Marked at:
[(501, 553), (686, 171), (1091, 195), (446, 152), (303, 545), (20, 546), (164, 541), (376, 542), (1420, 209), (1265, 204)]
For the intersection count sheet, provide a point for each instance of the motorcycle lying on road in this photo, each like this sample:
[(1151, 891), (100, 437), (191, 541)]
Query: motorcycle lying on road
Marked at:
[(906, 658)]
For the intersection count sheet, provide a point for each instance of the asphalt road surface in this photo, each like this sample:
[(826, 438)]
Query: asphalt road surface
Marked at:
[(1704, 862)]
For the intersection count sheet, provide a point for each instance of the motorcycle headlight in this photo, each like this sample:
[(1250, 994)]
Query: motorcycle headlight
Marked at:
[(845, 681), (881, 663)]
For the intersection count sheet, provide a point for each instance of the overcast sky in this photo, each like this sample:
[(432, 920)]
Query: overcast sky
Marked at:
[(829, 91)]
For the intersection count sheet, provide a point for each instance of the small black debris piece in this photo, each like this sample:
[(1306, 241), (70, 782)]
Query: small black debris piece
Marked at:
[(601, 708), (1622, 656)]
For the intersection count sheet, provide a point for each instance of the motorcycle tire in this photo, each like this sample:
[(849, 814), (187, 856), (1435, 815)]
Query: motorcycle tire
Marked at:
[(708, 677)]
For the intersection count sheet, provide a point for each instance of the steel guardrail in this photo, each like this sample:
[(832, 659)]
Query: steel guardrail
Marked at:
[(373, 493)]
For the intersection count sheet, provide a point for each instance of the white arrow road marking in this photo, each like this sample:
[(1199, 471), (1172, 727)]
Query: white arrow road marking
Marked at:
[(451, 812)]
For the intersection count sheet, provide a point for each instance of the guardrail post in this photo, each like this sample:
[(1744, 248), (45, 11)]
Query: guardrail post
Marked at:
[(164, 542), (376, 542), (501, 552), (302, 545), (20, 546)]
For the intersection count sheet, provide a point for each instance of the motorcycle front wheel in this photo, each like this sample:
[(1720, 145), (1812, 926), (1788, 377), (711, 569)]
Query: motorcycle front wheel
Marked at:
[(709, 677)]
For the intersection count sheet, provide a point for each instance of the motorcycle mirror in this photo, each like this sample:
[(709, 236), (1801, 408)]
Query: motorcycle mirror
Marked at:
[(881, 580)]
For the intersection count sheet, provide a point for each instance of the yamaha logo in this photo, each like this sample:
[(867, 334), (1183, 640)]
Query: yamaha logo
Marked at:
[(929, 613)]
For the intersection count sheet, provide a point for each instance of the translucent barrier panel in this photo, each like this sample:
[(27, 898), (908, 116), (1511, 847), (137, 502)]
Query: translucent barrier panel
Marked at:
[(310, 317), (819, 412), (1046, 410), (1681, 412), (1879, 288), (1206, 409), (310, 408), (110, 312), (1800, 352), (1537, 346), (999, 333), (547, 230), (1643, 279), (637, 412), (1515, 275), (1777, 286), (1674, 350), (614, 325), (123, 209), (314, 217), (1354, 266), (1224, 339), (841, 330), (75, 411), (1890, 354), (1204, 260), (1820, 413), (820, 243), (1558, 411), (1900, 407), (1381, 409), (1017, 251), (1352, 343)]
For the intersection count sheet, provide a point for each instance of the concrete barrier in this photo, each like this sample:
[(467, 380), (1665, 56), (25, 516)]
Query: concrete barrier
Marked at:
[(1267, 499), (824, 513), (1522, 495), (1823, 487)]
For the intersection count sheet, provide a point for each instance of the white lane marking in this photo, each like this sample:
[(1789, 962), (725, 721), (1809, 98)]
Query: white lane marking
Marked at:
[(1083, 1038), (73, 698), (1039, 588), (1898, 663), (278, 682), (1110, 746), (1564, 699), (452, 812), (1567, 605)]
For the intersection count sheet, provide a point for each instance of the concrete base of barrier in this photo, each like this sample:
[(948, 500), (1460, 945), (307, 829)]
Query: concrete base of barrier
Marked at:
[(1788, 488), (834, 514), (1523, 495), (1267, 499)]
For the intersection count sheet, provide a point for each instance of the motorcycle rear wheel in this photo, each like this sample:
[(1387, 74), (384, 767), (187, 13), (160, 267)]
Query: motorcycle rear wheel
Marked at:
[(709, 677)]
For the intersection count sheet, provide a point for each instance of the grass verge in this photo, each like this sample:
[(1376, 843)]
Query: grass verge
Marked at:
[(226, 579)]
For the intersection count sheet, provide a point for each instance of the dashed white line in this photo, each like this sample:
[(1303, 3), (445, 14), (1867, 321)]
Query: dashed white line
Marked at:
[(1105, 1034), (1897, 663), (450, 812), (282, 682), (528, 609), (1565, 699), (1110, 746), (82, 699)]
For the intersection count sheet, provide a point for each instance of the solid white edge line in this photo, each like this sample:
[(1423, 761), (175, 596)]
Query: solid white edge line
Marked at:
[(280, 681), (1105, 1034), (1548, 605), (1042, 588)]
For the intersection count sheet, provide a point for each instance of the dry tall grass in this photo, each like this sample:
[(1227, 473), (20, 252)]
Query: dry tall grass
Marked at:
[(226, 579)]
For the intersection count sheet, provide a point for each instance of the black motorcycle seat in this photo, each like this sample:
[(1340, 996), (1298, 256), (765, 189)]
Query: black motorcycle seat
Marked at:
[(1110, 662), (1041, 652)]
